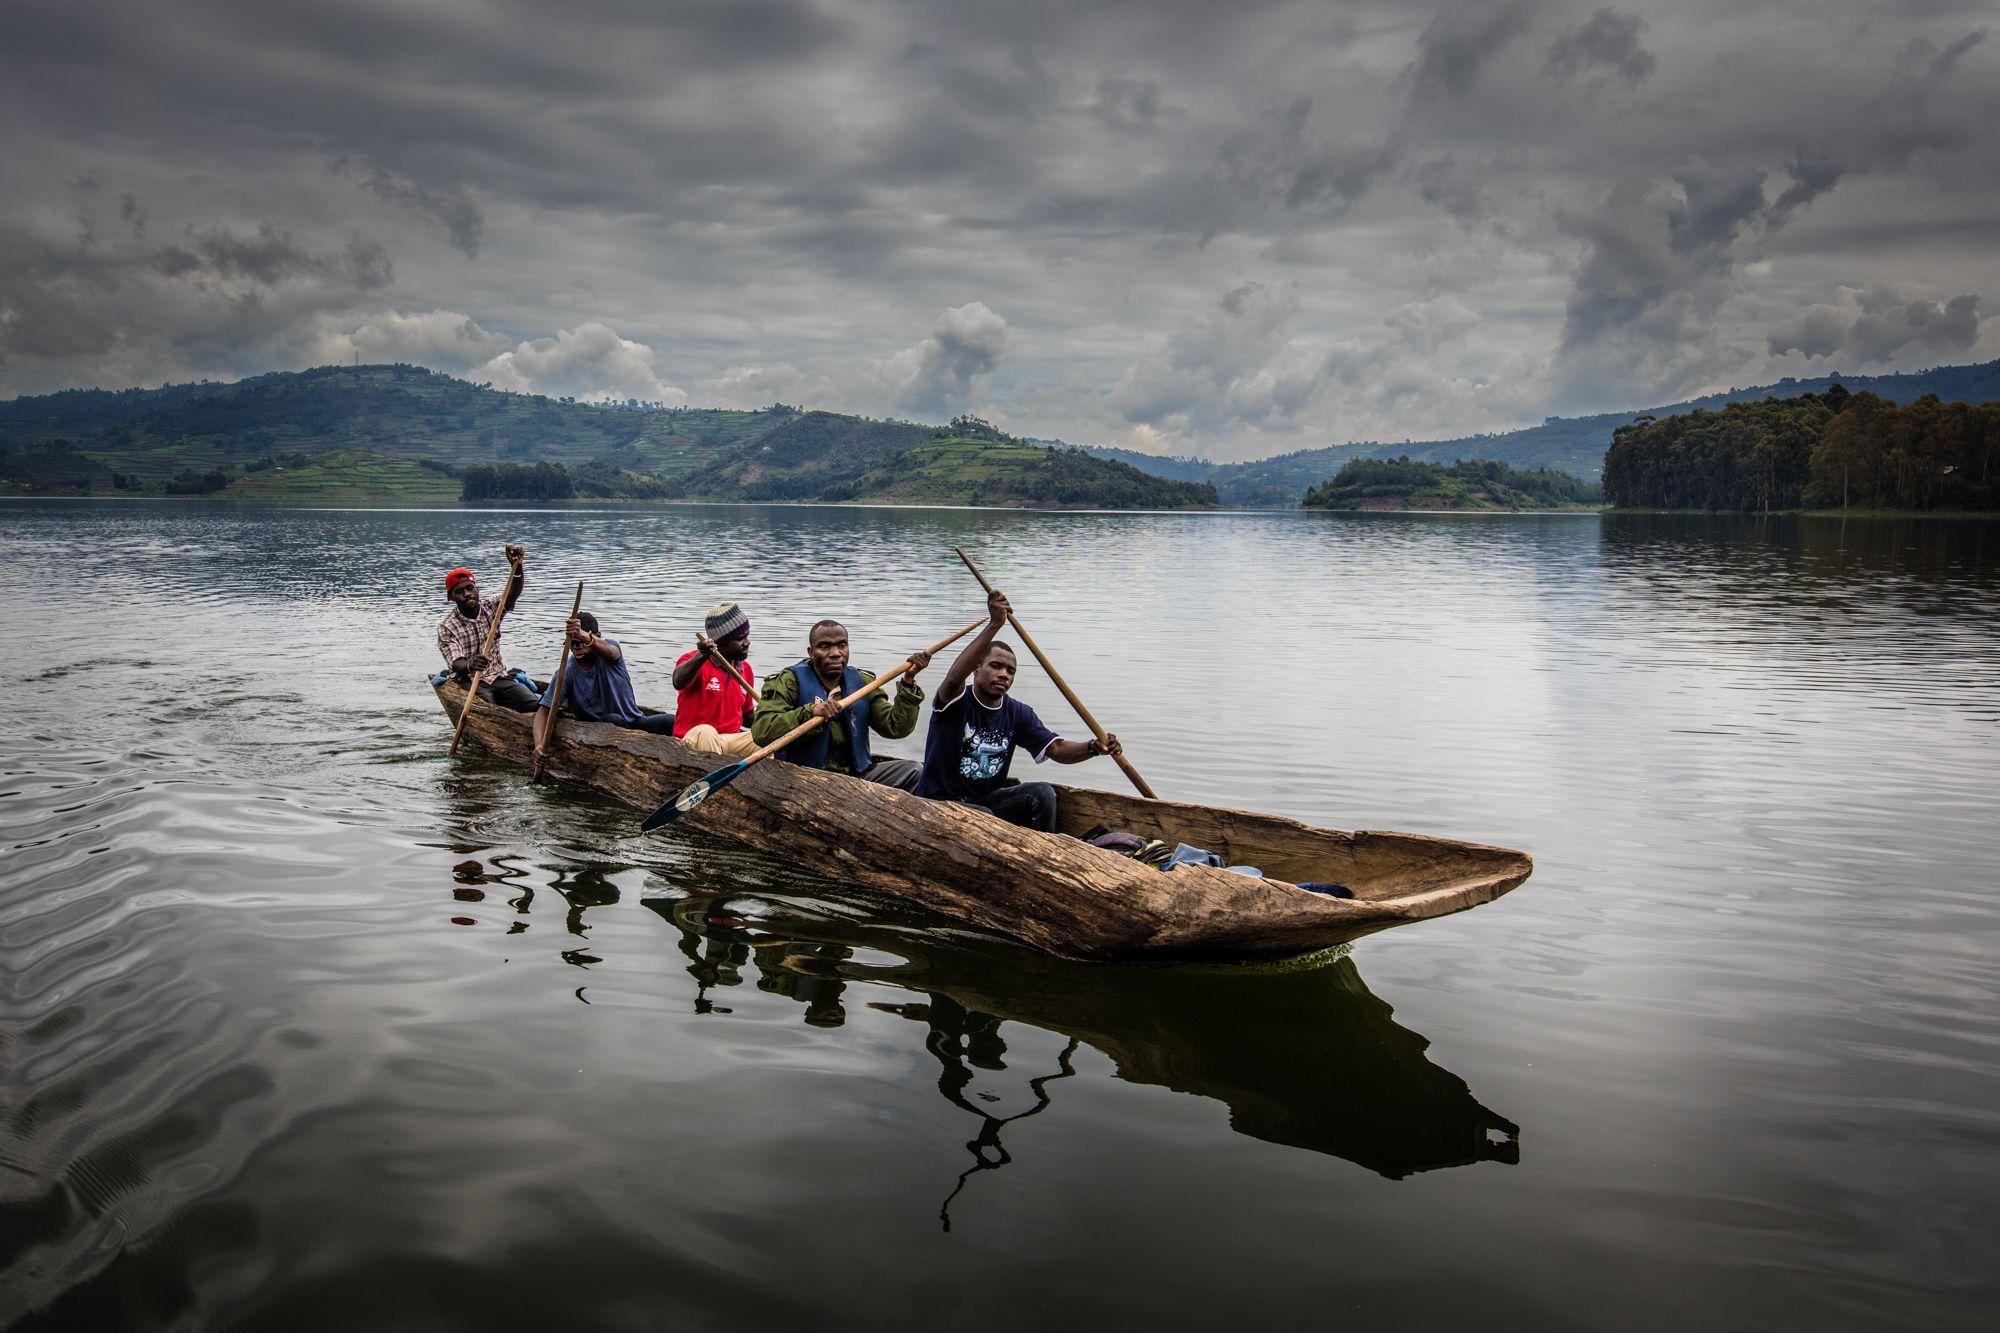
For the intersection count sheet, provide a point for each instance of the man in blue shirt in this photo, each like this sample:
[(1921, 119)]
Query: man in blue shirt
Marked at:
[(595, 685), (975, 726)]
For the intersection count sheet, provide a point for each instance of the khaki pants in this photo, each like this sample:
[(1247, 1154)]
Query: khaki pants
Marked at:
[(710, 741)]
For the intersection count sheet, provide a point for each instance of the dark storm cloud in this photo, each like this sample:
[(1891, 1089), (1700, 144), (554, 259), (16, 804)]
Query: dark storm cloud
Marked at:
[(1280, 160), (85, 284), (1462, 40), (1607, 42), (1872, 326), (452, 208), (754, 193), (271, 255)]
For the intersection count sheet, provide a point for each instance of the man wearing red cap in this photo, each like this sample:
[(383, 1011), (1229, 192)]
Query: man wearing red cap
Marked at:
[(462, 634)]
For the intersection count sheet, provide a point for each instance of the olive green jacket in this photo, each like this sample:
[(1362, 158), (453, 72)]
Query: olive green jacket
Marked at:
[(778, 711)]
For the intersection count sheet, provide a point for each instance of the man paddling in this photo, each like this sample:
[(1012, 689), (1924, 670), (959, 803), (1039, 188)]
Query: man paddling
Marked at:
[(812, 687), (713, 712), (462, 632), (595, 686), (976, 725)]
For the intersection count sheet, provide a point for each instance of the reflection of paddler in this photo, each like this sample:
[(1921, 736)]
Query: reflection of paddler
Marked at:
[(715, 952), (717, 946), (808, 973), (1309, 1058), (1304, 1056), (961, 1037)]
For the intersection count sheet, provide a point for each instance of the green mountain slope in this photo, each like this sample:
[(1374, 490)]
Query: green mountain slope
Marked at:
[(345, 474), (813, 456), (1569, 444), (959, 469), (404, 432)]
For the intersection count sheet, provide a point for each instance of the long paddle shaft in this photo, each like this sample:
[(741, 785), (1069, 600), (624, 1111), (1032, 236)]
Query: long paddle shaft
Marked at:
[(472, 690), (1061, 684), (702, 788), (555, 692)]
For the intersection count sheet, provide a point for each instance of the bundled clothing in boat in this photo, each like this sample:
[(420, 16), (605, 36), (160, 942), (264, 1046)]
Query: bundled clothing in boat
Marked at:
[(970, 748), (839, 744), (597, 688)]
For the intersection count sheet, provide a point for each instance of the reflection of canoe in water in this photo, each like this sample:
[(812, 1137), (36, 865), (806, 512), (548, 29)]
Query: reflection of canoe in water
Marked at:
[(1306, 1057), (1053, 892)]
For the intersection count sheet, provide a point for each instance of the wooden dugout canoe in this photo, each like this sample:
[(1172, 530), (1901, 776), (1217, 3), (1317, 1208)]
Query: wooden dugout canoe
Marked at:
[(1045, 890)]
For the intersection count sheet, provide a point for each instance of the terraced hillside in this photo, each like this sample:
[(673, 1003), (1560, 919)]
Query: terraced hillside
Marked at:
[(406, 433)]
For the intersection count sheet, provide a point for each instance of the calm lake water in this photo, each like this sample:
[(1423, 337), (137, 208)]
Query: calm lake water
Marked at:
[(1728, 1060)]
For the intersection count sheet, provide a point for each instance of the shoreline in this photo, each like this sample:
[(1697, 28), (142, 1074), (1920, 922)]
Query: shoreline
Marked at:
[(594, 503)]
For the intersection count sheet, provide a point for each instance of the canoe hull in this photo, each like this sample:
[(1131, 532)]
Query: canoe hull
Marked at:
[(1048, 891)]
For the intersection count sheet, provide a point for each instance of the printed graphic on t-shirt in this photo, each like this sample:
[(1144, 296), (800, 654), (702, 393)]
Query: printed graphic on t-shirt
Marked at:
[(982, 755)]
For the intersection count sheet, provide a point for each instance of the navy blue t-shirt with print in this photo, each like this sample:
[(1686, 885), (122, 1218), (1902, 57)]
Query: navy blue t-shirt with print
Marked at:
[(970, 746)]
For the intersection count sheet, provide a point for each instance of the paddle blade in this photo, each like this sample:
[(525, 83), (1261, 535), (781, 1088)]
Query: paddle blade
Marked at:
[(693, 795)]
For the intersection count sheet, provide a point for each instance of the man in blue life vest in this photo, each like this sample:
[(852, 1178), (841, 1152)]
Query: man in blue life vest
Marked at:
[(813, 687), (596, 686), (976, 725)]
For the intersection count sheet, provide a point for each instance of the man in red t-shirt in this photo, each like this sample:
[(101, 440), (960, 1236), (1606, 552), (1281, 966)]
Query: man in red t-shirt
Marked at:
[(713, 713)]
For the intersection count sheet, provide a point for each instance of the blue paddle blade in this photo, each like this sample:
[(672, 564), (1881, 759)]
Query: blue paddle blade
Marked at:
[(693, 795)]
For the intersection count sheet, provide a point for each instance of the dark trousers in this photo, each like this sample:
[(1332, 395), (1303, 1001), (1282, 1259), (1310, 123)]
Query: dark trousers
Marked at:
[(510, 693), (1029, 804), (660, 724), (902, 774)]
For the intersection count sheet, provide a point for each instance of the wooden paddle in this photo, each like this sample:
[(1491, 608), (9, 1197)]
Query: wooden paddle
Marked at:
[(735, 675), (472, 690), (555, 693), (1061, 684), (704, 787)]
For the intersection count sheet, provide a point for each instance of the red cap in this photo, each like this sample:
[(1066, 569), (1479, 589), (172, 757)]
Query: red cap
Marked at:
[(456, 577)]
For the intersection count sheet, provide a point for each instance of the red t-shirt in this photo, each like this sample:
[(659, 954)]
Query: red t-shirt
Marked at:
[(712, 698)]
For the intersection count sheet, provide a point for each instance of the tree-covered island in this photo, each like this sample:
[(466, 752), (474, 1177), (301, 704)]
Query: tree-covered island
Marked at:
[(1833, 451), (1404, 483)]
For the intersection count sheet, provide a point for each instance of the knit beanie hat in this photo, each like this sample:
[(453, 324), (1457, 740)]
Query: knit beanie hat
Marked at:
[(726, 620)]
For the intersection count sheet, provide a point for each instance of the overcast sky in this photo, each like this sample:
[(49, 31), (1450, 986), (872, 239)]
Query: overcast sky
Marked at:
[(1228, 229)]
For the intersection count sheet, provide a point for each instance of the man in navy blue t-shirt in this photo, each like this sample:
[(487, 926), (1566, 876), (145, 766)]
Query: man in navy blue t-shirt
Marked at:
[(975, 726), (596, 686)]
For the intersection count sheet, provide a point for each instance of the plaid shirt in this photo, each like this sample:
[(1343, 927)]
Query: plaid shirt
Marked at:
[(459, 637)]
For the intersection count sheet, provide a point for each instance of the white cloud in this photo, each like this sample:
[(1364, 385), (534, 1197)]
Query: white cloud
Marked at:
[(760, 386), (589, 361), (440, 339), (936, 374)]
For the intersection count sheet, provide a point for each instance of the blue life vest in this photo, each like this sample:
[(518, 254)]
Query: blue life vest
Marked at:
[(810, 749)]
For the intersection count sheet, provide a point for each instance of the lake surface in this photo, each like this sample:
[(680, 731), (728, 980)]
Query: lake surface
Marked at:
[(275, 1056)]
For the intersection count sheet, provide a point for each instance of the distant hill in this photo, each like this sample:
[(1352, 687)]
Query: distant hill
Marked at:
[(398, 431), (1570, 444)]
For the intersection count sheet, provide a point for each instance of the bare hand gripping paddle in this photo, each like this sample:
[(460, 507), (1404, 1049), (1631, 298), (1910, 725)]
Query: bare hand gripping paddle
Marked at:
[(704, 787)]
